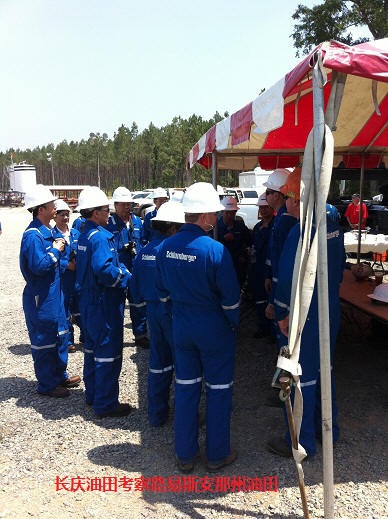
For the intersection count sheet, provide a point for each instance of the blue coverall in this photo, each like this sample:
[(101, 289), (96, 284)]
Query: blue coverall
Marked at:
[(102, 282), (309, 351), (79, 224), (148, 232), (282, 224), (43, 305), (196, 273), (260, 239), (70, 297), (123, 235), (236, 246), (143, 290)]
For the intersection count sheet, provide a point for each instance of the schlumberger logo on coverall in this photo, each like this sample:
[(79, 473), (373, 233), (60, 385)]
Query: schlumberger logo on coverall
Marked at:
[(180, 256)]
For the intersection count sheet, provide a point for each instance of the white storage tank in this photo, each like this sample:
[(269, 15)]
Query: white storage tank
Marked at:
[(22, 177)]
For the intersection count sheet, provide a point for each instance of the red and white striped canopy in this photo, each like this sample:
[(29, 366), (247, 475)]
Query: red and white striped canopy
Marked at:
[(272, 130)]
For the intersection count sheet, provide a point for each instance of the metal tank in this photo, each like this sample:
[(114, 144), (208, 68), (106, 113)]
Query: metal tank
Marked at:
[(22, 177)]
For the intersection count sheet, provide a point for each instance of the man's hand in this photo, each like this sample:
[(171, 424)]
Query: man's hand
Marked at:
[(71, 265), (59, 244), (283, 325), (270, 312)]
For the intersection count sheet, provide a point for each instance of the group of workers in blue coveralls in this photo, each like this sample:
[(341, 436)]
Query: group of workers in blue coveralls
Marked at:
[(183, 288)]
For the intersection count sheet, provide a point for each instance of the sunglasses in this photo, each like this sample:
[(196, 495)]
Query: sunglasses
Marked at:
[(269, 192), (105, 209)]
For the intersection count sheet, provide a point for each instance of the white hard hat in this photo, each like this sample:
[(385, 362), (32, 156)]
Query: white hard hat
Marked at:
[(38, 195), (262, 200), (380, 293), (122, 194), (61, 205), (177, 196), (277, 179), (92, 197), (170, 212), (201, 198), (160, 193), (229, 203)]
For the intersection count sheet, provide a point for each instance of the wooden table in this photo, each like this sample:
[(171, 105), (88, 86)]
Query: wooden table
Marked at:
[(355, 293)]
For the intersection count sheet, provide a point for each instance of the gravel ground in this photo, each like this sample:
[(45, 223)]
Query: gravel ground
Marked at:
[(42, 438)]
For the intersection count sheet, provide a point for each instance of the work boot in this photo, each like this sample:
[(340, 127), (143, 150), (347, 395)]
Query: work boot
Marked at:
[(73, 381), (187, 466), (217, 465), (121, 410), (58, 392), (279, 446)]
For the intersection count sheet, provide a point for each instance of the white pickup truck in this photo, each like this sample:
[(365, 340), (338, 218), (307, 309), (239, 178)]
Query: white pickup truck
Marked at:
[(247, 200), (250, 187)]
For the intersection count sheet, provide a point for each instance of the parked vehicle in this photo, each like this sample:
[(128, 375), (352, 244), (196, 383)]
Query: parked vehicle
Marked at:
[(142, 201), (246, 200), (249, 213), (253, 179)]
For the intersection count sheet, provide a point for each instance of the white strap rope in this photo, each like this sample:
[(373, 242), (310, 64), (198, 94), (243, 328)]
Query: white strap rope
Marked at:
[(305, 267)]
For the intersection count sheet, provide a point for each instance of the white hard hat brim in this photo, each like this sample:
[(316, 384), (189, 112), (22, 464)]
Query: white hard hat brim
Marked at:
[(377, 298), (31, 206)]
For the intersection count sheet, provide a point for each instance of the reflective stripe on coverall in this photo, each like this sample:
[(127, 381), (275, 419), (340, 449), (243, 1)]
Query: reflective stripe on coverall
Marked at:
[(197, 274), (122, 235), (42, 305), (309, 351), (102, 281), (282, 224), (70, 297), (161, 367)]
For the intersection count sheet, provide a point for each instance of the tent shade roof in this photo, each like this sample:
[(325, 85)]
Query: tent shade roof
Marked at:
[(272, 130)]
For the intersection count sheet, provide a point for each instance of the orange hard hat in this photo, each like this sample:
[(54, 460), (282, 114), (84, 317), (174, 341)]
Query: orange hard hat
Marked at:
[(292, 187)]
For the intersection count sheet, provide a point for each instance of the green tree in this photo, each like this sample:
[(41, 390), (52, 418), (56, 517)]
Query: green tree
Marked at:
[(334, 20)]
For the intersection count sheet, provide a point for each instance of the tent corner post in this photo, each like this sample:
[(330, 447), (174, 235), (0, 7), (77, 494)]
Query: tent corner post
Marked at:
[(323, 302), (362, 173)]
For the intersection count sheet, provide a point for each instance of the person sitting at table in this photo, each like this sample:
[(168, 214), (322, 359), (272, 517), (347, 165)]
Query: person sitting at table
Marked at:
[(353, 211)]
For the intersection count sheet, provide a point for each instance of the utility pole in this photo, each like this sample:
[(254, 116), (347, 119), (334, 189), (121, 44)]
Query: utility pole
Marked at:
[(50, 159), (99, 141)]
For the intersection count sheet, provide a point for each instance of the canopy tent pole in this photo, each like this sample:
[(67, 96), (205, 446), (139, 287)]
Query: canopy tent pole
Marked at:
[(214, 182), (323, 302), (214, 169), (360, 212)]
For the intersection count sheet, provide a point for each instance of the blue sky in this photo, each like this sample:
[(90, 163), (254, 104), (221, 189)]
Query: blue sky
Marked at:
[(80, 66)]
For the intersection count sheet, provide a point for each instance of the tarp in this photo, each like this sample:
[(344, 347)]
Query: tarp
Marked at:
[(272, 130)]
